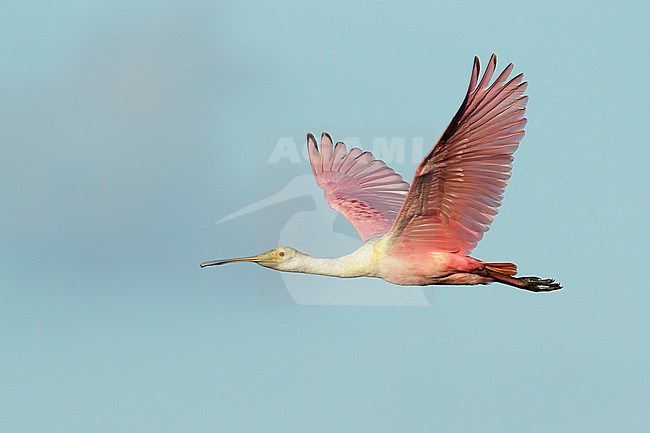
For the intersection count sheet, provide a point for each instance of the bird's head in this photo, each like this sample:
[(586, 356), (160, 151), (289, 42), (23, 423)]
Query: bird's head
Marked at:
[(279, 258)]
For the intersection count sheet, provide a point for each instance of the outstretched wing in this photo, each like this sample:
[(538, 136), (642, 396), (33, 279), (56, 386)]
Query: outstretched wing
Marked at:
[(363, 189), (459, 185)]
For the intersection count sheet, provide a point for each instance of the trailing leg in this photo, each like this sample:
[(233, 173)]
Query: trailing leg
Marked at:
[(533, 284)]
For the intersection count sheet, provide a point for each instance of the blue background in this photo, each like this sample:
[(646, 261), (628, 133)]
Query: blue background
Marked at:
[(128, 128)]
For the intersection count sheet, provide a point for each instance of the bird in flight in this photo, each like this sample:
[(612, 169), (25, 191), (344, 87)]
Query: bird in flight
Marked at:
[(423, 234)]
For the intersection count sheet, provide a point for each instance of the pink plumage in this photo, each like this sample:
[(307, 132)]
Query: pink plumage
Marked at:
[(458, 187), (363, 189)]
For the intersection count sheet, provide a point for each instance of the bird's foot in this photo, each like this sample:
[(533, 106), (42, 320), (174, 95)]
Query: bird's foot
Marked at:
[(536, 284)]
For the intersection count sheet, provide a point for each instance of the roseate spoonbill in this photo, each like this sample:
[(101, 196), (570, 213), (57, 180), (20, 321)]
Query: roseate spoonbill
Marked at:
[(423, 234)]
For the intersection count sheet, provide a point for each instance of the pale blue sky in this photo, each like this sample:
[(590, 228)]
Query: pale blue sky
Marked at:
[(128, 128)]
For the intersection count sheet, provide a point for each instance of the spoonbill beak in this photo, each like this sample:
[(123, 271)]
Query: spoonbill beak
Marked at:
[(254, 259), (263, 259)]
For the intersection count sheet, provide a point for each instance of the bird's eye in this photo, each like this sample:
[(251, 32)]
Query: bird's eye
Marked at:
[(281, 253)]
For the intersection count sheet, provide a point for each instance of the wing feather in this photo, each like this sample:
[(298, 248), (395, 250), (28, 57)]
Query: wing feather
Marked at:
[(367, 192), (458, 186)]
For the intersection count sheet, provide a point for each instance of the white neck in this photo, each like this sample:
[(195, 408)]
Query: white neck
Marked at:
[(337, 267), (360, 263)]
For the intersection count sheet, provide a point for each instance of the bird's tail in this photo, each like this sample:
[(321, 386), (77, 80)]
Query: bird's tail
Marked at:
[(502, 268)]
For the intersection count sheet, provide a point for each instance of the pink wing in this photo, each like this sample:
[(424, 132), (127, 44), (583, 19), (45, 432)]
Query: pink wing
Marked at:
[(459, 185), (361, 188)]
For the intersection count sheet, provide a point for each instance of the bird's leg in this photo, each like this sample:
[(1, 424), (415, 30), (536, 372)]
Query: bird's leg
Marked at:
[(536, 284), (533, 284)]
